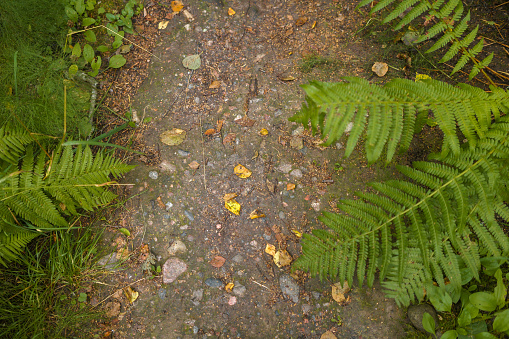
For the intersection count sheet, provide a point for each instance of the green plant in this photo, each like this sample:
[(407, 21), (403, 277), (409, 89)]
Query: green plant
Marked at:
[(443, 220), (85, 14), (445, 18), (42, 189), (37, 291), (477, 308)]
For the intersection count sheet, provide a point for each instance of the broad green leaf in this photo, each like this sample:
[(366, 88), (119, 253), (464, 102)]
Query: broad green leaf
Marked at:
[(71, 14), (102, 48), (82, 297), (112, 29), (484, 301), (116, 44), (101, 10), (501, 322), (117, 61), (474, 311), (88, 53), (73, 69), (500, 289), (440, 299), (90, 36), (90, 5), (428, 323), (125, 231), (451, 334), (80, 6), (76, 50), (192, 61), (484, 335), (111, 17), (88, 21), (464, 318)]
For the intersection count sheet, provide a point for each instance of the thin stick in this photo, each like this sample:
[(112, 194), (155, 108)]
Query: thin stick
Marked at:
[(203, 155), (65, 113), (503, 3), (257, 283), (494, 41), (116, 292)]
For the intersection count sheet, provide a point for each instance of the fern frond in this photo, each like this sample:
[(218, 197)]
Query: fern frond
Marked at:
[(12, 143), (414, 221), (12, 244), (390, 112)]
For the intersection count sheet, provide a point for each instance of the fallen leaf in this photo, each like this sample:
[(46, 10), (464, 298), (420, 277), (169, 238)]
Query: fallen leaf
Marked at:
[(338, 291), (122, 253), (131, 294), (192, 61), (271, 186), (256, 214), (231, 11), (233, 206), (282, 258), (219, 125), (188, 15), (173, 137), (242, 172), (297, 233), (217, 261), (210, 131), (263, 132), (301, 21), (230, 137), (176, 6), (328, 335), (125, 231), (380, 68), (419, 77), (161, 203), (270, 249), (229, 196), (194, 165), (314, 25), (288, 32), (112, 309), (245, 121), (162, 24), (255, 155), (215, 84), (144, 248), (287, 78), (229, 287), (290, 186)]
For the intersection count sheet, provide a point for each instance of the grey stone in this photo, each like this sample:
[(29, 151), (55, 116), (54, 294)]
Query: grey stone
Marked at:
[(306, 308), (153, 175), (415, 314), (189, 215), (238, 258), (284, 168), (177, 247), (297, 143), (162, 293), (166, 166), (278, 112), (172, 268), (109, 261), (197, 296), (316, 295), (183, 153), (213, 282), (239, 290), (289, 287), (282, 215), (296, 173), (298, 131)]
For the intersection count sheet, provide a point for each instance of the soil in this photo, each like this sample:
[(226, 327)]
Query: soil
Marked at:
[(251, 69)]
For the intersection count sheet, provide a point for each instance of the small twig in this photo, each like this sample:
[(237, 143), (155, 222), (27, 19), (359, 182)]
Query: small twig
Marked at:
[(203, 155), (257, 283), (497, 42), (503, 3), (111, 295)]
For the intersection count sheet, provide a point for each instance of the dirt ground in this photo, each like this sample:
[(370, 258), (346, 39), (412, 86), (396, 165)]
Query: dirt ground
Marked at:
[(248, 80)]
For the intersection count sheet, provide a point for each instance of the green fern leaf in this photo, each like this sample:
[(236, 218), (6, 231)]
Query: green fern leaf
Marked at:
[(12, 244), (12, 143)]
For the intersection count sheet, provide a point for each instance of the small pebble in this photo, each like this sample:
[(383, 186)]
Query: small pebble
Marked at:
[(153, 175), (189, 215), (238, 258), (282, 215), (213, 282), (183, 153), (239, 290), (278, 112), (162, 293), (296, 173), (168, 205), (284, 168)]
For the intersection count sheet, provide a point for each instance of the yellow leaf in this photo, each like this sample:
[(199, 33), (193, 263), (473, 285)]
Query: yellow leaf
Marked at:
[(270, 249), (263, 131), (231, 11), (229, 196), (338, 291), (131, 294), (215, 84), (314, 25), (162, 24), (256, 214), (290, 186), (176, 6), (297, 233), (419, 77), (229, 287), (242, 172), (288, 78), (233, 206), (282, 258)]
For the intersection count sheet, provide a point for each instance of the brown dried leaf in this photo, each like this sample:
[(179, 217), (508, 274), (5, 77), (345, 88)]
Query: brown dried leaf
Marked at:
[(230, 137), (380, 68), (242, 172), (131, 294), (282, 258), (287, 78), (229, 196), (217, 261), (194, 165), (215, 84), (270, 249), (290, 186), (210, 131), (256, 214), (219, 125), (245, 121), (161, 203), (301, 21), (176, 6), (338, 291)]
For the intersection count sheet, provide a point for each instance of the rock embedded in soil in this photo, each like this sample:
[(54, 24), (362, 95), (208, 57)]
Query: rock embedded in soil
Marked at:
[(153, 175), (284, 168), (297, 143), (296, 173), (108, 261), (166, 166), (239, 290), (177, 247), (416, 312), (213, 282), (289, 287), (172, 268), (328, 335)]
